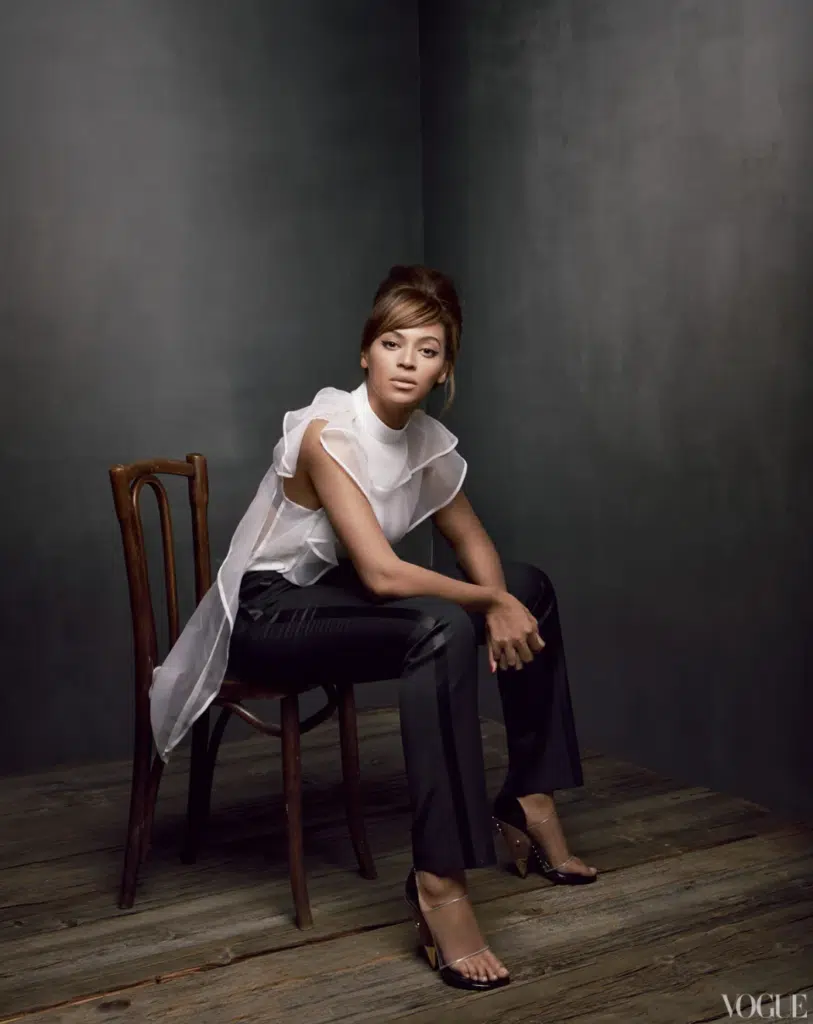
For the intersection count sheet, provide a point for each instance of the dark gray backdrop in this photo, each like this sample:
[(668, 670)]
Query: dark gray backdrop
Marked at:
[(624, 190), (197, 201)]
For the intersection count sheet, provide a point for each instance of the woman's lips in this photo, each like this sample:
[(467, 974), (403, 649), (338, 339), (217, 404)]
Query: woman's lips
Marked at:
[(404, 384)]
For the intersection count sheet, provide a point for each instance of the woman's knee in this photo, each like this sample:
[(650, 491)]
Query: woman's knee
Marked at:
[(445, 623)]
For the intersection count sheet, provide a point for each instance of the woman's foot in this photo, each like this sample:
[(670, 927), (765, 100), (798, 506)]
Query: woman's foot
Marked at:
[(455, 927), (543, 825)]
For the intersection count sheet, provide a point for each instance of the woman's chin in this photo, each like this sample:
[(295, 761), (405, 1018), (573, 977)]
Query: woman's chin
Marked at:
[(409, 401)]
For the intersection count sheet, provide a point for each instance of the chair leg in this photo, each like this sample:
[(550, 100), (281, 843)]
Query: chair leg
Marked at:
[(211, 761), (135, 824), (153, 783), (292, 784), (351, 774), (196, 799)]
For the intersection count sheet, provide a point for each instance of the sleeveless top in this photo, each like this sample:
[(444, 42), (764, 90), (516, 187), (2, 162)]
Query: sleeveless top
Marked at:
[(406, 474)]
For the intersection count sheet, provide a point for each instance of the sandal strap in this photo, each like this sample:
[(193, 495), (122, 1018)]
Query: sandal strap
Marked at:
[(437, 906), (466, 957), (540, 821)]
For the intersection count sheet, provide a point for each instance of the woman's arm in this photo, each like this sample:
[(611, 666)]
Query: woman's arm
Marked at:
[(355, 524), (472, 546), (480, 561)]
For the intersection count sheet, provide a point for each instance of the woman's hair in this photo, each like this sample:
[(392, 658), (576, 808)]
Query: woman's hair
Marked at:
[(414, 297)]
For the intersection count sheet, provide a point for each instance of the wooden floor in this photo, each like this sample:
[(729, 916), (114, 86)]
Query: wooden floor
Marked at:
[(700, 896)]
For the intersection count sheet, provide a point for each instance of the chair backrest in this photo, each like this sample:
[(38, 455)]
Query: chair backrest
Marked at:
[(128, 482)]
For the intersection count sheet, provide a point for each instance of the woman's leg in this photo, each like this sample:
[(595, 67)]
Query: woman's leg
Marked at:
[(337, 629), (539, 721), (543, 749)]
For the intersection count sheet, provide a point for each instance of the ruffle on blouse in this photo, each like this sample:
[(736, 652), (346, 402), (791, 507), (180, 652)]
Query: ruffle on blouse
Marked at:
[(190, 676), (427, 442)]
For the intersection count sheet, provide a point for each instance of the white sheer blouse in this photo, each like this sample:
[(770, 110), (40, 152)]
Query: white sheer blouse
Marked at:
[(406, 474)]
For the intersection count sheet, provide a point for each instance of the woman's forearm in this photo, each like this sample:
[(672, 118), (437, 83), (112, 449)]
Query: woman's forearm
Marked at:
[(405, 579), (479, 559)]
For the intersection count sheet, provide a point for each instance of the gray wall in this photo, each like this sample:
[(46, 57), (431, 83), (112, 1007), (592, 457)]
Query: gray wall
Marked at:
[(623, 190), (197, 201)]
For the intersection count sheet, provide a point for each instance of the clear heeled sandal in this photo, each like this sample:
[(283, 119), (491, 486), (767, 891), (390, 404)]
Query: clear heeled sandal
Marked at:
[(525, 851), (432, 950)]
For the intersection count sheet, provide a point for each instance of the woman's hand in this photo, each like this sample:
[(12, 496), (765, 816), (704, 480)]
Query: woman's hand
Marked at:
[(511, 633)]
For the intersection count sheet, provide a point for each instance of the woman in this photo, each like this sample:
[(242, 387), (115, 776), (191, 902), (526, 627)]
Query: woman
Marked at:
[(311, 584)]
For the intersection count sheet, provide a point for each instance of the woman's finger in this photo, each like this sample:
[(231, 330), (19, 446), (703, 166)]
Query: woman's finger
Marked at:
[(535, 642), (492, 660), (505, 659), (525, 650)]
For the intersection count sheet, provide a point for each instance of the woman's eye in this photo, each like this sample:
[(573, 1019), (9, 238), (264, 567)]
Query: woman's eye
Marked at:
[(386, 342)]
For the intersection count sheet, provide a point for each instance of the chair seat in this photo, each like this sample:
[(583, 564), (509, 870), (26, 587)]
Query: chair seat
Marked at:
[(234, 689)]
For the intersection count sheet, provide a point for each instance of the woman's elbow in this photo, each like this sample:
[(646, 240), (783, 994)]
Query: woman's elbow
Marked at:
[(381, 579)]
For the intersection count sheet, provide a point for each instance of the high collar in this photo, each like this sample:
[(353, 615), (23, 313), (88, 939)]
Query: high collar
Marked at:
[(371, 422)]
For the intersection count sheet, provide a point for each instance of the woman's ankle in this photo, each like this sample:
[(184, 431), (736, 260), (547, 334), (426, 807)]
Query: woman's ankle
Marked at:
[(435, 887), (537, 801)]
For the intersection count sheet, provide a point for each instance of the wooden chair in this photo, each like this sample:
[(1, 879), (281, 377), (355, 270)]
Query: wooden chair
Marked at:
[(128, 483)]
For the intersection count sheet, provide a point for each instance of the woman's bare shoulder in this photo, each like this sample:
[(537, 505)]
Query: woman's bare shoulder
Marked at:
[(299, 488)]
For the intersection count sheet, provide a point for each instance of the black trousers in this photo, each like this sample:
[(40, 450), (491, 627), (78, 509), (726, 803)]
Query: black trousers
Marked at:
[(337, 629)]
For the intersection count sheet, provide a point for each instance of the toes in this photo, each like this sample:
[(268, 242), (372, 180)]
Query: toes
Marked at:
[(481, 972), (583, 868), (496, 970), (485, 971)]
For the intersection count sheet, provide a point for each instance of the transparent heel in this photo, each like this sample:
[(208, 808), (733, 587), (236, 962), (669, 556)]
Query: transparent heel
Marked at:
[(517, 844), (425, 937)]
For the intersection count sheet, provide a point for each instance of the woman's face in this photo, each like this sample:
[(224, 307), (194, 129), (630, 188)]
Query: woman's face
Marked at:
[(412, 354)]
